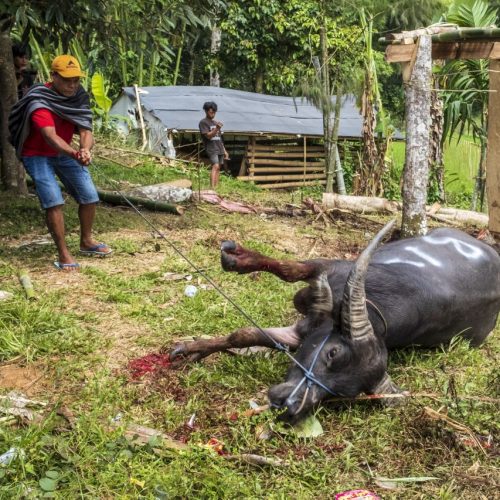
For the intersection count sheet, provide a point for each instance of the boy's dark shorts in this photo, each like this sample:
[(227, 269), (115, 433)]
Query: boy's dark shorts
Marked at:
[(216, 158)]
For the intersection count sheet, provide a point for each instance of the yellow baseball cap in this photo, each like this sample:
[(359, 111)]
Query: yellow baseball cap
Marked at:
[(67, 66)]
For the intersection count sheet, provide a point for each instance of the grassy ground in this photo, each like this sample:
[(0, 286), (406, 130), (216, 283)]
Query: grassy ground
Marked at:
[(461, 161), (71, 348)]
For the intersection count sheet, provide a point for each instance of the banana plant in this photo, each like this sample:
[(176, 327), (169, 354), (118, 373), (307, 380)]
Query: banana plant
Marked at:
[(102, 103)]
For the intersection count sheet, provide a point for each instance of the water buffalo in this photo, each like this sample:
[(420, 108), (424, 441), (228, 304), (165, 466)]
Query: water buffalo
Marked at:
[(418, 291)]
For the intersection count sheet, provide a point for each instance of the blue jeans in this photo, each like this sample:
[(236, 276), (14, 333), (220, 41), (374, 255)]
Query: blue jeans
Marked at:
[(75, 178)]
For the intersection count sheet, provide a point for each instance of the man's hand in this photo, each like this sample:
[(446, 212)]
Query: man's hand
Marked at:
[(218, 124), (83, 156)]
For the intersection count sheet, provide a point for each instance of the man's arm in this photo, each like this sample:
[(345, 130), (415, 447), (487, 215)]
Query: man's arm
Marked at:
[(54, 141), (86, 144)]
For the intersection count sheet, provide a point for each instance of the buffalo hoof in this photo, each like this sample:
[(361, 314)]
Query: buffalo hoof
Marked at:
[(180, 354), (228, 261)]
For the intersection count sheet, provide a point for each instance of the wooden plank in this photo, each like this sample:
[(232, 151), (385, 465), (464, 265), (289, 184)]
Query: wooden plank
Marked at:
[(277, 170), (495, 51), (493, 153), (287, 163), (399, 53), (263, 154), (475, 50), (285, 148), (251, 150), (261, 178), (447, 50), (444, 50), (284, 185), (243, 164)]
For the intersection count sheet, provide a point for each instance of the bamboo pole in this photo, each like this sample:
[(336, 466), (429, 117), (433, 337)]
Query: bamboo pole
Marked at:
[(284, 147), (25, 281), (288, 163), (305, 159), (141, 119), (449, 35), (279, 170), (283, 185), (261, 178), (263, 154)]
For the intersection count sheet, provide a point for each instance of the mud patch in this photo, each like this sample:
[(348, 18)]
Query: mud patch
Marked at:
[(21, 378)]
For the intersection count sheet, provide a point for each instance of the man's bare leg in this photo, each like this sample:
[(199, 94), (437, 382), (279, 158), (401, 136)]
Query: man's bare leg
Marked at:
[(86, 214), (243, 337), (214, 175), (55, 224)]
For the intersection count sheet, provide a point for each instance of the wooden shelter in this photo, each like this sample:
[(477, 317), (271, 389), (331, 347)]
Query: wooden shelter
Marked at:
[(274, 141), (450, 42)]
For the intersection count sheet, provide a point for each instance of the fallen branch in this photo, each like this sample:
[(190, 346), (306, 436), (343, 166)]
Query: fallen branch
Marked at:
[(367, 204), (116, 199)]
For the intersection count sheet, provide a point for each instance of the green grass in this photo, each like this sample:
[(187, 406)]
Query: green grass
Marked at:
[(461, 161), (83, 329)]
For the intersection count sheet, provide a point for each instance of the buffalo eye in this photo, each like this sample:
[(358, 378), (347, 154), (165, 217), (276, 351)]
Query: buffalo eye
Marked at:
[(332, 353)]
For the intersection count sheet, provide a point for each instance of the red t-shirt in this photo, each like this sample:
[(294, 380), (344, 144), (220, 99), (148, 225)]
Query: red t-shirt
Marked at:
[(35, 144)]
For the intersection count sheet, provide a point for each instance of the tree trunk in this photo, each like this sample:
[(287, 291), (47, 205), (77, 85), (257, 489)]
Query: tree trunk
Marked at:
[(179, 53), (436, 141), (214, 50), (259, 78), (478, 194), (192, 58), (335, 140), (12, 172), (416, 170)]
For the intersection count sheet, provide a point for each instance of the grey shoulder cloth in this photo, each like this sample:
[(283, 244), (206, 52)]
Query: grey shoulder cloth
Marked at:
[(74, 109)]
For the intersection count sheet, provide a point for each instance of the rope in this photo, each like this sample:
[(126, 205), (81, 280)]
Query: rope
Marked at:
[(308, 374)]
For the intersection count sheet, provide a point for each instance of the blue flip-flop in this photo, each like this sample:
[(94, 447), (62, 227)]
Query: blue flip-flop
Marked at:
[(73, 266), (97, 250)]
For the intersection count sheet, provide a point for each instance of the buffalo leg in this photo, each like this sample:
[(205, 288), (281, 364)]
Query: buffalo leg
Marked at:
[(243, 337), (238, 259)]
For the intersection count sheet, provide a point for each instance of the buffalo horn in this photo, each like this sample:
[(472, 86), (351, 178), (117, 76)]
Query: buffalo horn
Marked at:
[(355, 322)]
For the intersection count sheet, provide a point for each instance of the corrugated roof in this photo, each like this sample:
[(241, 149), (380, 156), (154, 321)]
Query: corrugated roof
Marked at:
[(180, 107)]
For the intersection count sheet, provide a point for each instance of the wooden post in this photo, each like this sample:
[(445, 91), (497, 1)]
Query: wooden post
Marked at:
[(252, 156), (493, 153), (141, 119), (416, 170), (305, 158)]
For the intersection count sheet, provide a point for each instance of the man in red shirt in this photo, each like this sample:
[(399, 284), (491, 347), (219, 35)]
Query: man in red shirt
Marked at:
[(42, 126)]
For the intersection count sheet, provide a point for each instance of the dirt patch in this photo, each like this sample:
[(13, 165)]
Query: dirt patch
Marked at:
[(26, 379)]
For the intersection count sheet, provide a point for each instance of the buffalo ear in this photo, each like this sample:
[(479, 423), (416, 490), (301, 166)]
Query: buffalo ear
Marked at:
[(322, 298), (387, 386)]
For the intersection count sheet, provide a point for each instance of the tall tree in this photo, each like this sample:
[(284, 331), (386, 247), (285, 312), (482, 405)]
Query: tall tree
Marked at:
[(12, 172)]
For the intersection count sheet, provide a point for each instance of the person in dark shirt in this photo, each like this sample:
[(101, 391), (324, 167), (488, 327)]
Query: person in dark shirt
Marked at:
[(210, 130), (24, 76)]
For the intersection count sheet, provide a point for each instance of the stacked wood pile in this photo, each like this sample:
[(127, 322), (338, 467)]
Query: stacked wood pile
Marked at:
[(283, 163)]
